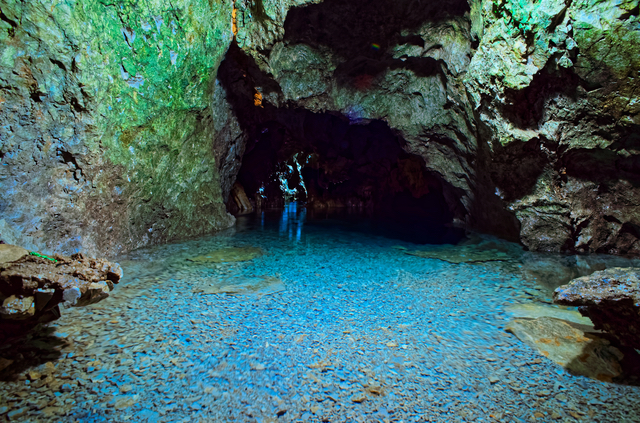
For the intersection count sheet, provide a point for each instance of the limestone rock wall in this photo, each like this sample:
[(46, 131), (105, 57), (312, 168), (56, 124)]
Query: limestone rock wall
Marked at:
[(332, 57), (106, 126), (555, 89)]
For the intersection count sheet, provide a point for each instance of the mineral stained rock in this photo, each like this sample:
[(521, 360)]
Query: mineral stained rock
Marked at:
[(536, 310), (610, 298), (32, 287), (105, 118), (570, 345)]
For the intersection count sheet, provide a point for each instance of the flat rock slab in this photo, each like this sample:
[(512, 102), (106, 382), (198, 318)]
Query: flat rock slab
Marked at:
[(229, 254), (535, 310), (251, 286), (610, 298), (570, 345), (457, 255), (10, 253)]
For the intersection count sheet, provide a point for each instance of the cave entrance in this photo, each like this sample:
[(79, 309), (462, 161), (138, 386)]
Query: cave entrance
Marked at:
[(346, 171)]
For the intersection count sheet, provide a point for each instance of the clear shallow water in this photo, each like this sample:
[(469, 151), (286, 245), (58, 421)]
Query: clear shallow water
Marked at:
[(362, 332)]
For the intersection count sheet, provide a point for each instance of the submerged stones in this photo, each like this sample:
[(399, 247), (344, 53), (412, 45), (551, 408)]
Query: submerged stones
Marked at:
[(610, 298), (242, 285), (462, 254), (570, 345), (228, 254), (535, 310), (32, 286)]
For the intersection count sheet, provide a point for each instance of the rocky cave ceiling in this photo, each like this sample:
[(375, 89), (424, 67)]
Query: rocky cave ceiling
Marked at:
[(128, 124)]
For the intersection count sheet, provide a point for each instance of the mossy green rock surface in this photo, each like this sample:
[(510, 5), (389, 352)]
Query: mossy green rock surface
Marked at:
[(106, 131), (114, 132)]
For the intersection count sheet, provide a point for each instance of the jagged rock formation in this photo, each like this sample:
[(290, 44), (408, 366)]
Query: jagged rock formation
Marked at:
[(610, 298), (115, 133), (32, 287), (521, 106), (554, 85)]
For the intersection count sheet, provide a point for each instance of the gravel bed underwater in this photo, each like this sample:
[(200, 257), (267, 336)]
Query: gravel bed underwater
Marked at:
[(318, 323)]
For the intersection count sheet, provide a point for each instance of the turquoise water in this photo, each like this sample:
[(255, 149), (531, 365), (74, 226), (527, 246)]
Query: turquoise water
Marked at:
[(334, 321)]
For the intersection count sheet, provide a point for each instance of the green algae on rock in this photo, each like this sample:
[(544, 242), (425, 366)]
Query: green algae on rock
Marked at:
[(118, 100), (544, 73), (228, 254), (115, 134)]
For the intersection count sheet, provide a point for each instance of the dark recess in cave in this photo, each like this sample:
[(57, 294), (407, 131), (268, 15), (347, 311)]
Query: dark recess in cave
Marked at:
[(516, 168), (361, 32), (357, 167), (527, 106), (603, 165)]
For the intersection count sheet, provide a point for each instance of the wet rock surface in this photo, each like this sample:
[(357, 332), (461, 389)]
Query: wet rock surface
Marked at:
[(571, 346), (32, 286), (610, 298), (363, 332), (527, 111), (96, 123)]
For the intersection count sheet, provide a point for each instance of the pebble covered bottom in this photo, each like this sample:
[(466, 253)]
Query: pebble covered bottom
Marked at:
[(362, 332)]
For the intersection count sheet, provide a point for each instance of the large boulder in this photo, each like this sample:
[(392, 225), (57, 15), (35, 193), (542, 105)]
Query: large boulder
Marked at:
[(32, 286), (610, 298)]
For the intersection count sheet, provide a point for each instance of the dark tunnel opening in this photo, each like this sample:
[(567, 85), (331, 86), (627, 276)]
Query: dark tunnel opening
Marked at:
[(332, 164)]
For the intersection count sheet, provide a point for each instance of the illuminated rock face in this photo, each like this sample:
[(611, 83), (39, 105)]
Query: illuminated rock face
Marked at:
[(553, 86), (115, 133)]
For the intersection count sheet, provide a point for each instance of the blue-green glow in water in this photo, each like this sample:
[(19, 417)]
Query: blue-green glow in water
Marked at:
[(332, 324)]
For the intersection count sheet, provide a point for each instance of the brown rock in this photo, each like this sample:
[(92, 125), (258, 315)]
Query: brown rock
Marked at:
[(17, 308), (9, 253), (4, 363), (570, 345), (32, 287), (610, 298)]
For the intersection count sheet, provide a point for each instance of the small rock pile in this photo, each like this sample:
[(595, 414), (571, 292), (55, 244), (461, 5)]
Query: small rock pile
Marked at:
[(610, 298), (32, 286)]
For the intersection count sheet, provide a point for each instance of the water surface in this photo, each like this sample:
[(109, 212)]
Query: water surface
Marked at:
[(362, 331)]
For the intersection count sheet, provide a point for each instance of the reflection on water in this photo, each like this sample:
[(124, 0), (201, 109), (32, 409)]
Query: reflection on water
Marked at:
[(291, 220)]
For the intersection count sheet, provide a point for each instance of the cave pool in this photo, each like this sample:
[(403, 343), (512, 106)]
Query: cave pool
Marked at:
[(332, 320)]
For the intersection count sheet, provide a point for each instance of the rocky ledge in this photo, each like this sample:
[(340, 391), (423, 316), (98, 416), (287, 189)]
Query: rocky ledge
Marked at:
[(32, 286), (610, 298)]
